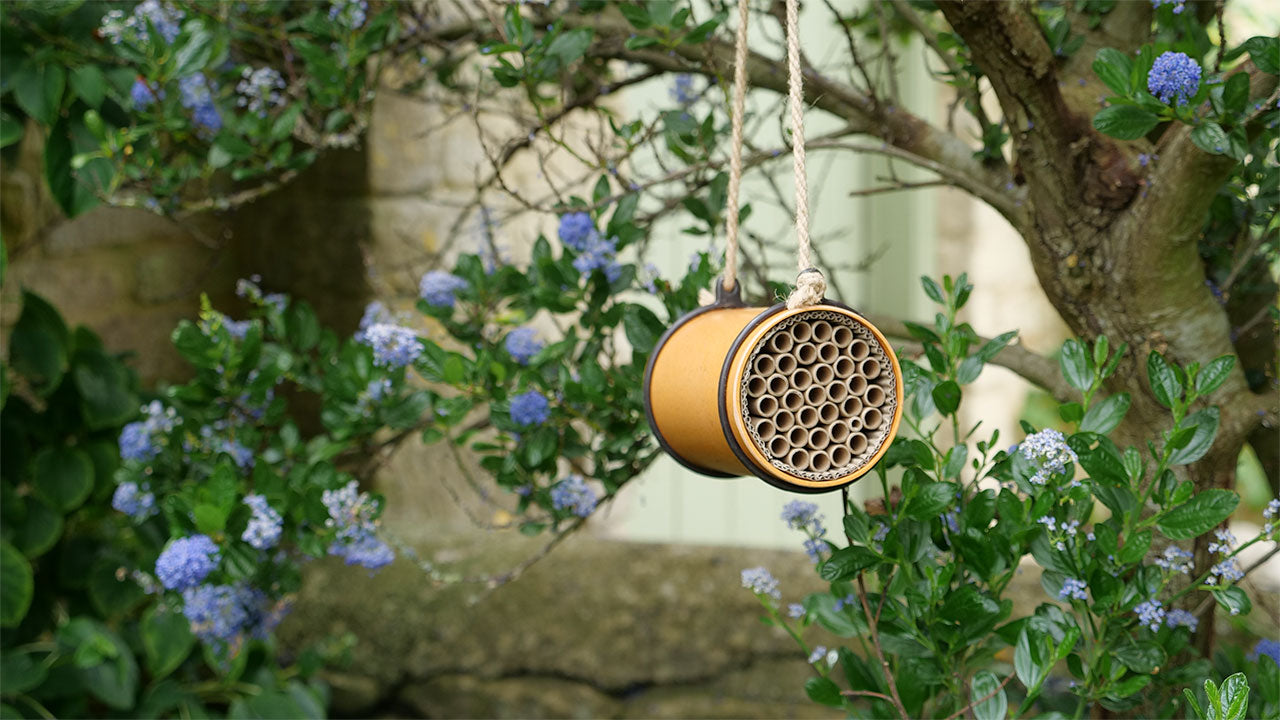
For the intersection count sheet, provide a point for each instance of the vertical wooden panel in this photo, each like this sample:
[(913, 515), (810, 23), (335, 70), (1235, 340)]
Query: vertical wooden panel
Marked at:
[(671, 504)]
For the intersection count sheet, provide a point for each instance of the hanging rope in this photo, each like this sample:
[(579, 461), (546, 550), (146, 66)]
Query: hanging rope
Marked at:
[(735, 149), (810, 285)]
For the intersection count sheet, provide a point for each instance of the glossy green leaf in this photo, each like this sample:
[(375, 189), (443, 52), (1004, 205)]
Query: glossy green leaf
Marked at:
[(946, 397), (1165, 384), (1233, 599), (166, 639), (847, 562), (823, 691), (16, 585), (1204, 426), (1076, 368), (985, 684), (39, 345), (1214, 374), (62, 477), (1125, 122), (1199, 515), (1105, 415)]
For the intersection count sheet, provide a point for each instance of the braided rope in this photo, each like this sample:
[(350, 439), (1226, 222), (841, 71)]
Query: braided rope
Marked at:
[(810, 285), (735, 148)]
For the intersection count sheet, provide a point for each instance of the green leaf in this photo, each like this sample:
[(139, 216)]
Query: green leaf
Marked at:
[(20, 672), (946, 396), (105, 398), (643, 328), (1265, 52), (62, 477), (1141, 657), (38, 530), (1125, 122), (1199, 515), (11, 129), (166, 639), (637, 15), (1135, 547), (1214, 374), (984, 684), (69, 183), (931, 500), (1205, 424), (1165, 383), (847, 562), (1076, 368), (1235, 93), (1233, 600), (194, 54), (16, 585), (570, 46), (1235, 696), (38, 91), (821, 690), (931, 289), (1211, 138), (1105, 416), (89, 84), (1130, 686), (1114, 68), (108, 670), (1028, 662), (38, 346), (210, 519)]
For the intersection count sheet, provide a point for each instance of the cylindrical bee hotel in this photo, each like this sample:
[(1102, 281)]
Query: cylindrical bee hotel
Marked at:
[(806, 399)]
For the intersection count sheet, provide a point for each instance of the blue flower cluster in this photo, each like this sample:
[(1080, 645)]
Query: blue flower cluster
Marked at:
[(265, 526), (575, 229), (1267, 647), (351, 516), (373, 394), (249, 289), (1228, 570), (132, 29), (141, 440), (1073, 589), (211, 441), (349, 13), (393, 346), (259, 90), (1178, 5), (187, 561), (682, 92), (599, 254), (573, 494), (761, 582), (1182, 618), (530, 408), (142, 95), (801, 515), (795, 611), (1269, 514), (1048, 449), (222, 615), (818, 654), (197, 97), (522, 344), (1175, 559), (138, 502), (1174, 76), (438, 288), (1150, 613)]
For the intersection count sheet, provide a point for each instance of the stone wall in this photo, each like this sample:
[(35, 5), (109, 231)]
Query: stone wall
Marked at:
[(597, 629)]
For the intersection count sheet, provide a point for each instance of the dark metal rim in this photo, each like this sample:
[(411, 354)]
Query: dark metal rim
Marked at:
[(724, 299), (723, 408)]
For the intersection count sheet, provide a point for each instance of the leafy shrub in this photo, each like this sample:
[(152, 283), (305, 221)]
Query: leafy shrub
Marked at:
[(923, 585)]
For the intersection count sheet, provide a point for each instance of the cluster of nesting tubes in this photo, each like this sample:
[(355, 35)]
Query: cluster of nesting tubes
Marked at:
[(816, 395)]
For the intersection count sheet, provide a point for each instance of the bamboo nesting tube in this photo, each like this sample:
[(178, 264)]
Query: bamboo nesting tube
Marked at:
[(806, 396)]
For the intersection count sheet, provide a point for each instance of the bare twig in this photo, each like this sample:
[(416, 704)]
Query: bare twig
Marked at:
[(875, 639)]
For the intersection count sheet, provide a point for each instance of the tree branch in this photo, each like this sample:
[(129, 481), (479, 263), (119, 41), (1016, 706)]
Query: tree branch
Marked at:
[(1033, 367)]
